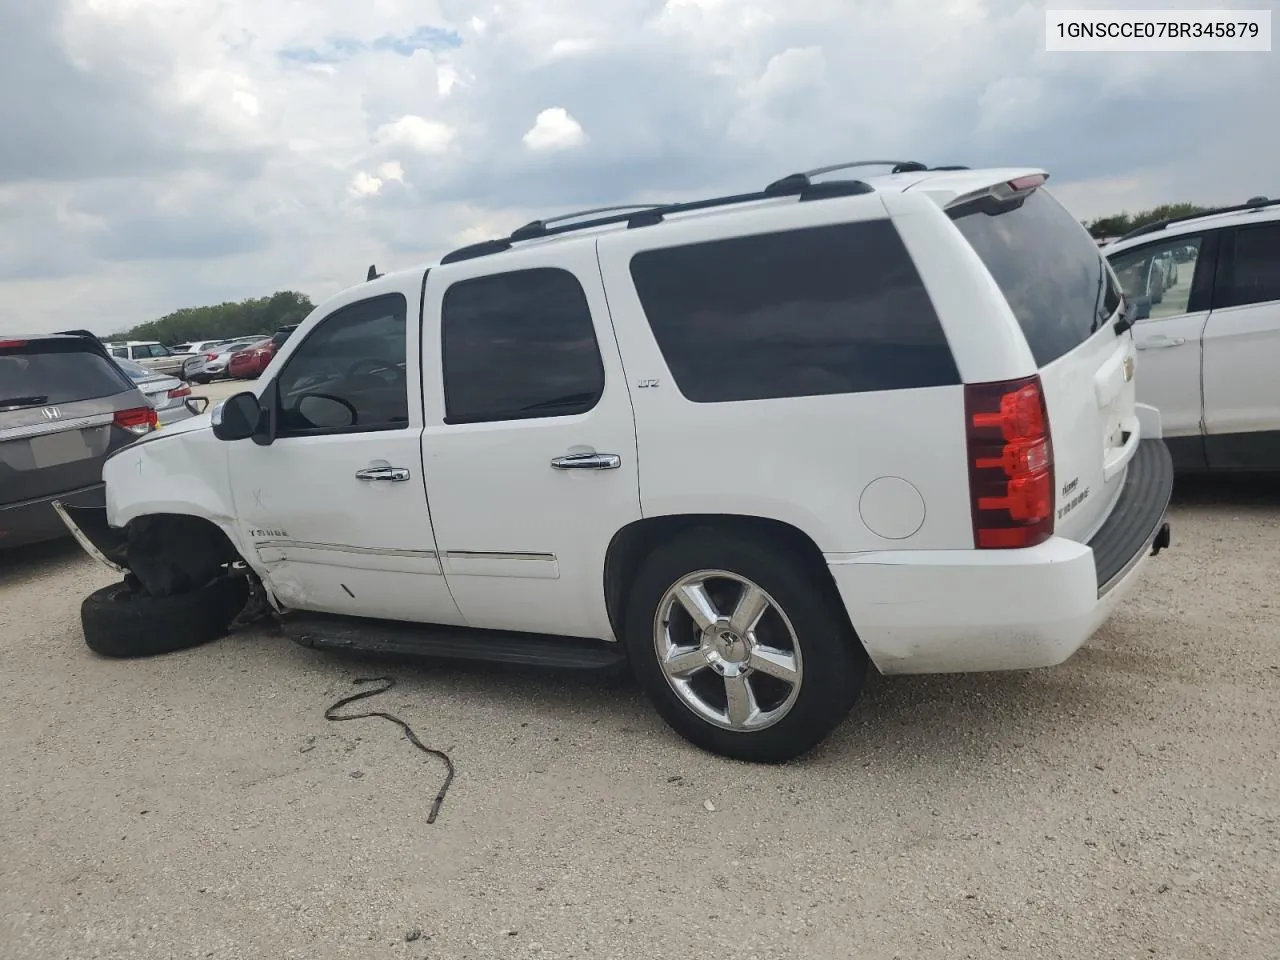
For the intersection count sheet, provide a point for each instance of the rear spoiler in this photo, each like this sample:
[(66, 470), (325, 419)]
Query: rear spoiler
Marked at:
[(94, 340), (998, 197)]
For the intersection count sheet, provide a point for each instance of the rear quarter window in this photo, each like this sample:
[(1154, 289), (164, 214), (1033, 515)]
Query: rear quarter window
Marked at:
[(1048, 268), (52, 372), (810, 312)]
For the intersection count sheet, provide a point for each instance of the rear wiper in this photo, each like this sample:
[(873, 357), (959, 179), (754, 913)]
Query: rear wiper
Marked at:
[(22, 401), (1098, 318), (571, 399)]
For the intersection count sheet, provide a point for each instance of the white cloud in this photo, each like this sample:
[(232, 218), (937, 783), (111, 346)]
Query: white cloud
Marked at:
[(365, 184), (417, 133), (554, 129), (391, 170), (277, 144)]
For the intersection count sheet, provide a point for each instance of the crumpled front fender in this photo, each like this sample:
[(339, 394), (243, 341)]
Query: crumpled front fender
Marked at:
[(182, 472)]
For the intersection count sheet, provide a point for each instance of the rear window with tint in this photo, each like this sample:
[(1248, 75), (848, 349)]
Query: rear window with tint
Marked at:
[(1049, 269), (798, 313), (51, 371)]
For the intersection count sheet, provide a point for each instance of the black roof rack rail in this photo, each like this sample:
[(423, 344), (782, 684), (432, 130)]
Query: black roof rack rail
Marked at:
[(899, 166), (642, 215), (482, 249), (1256, 203), (538, 228)]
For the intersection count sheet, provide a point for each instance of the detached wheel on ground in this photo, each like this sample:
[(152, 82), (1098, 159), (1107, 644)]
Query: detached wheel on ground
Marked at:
[(120, 621), (742, 648)]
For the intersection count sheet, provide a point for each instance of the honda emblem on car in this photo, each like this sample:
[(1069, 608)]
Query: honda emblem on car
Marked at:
[(51, 413)]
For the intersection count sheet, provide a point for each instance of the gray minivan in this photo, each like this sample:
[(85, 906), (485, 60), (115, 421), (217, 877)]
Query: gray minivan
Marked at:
[(65, 406)]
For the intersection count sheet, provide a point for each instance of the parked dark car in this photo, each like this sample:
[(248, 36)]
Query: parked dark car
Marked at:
[(65, 406)]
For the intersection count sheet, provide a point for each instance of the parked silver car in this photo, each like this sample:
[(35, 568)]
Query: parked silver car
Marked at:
[(150, 353), (168, 395), (207, 367), (64, 408)]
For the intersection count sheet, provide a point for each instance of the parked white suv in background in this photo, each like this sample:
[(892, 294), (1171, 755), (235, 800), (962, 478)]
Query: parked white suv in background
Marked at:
[(1211, 344), (748, 444)]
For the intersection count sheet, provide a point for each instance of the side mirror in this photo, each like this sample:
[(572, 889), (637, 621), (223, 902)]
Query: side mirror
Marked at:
[(196, 405), (326, 412), (1141, 308), (237, 417)]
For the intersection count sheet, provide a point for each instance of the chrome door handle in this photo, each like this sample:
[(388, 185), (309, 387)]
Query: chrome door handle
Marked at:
[(395, 474), (588, 461), (1161, 343)]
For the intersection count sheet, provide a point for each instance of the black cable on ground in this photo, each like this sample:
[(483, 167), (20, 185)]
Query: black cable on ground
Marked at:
[(388, 683)]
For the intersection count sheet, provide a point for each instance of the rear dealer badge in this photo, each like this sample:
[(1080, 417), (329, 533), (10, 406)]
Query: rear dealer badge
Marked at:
[(1075, 501)]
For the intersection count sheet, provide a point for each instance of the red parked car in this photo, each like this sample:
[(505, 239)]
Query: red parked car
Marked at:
[(248, 364)]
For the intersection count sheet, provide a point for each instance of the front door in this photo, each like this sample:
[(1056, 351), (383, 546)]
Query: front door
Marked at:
[(1242, 352), (530, 444), (335, 508), (1168, 367)]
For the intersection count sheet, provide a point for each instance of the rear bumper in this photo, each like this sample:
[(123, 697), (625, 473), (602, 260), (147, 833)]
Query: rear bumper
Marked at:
[(960, 611), (34, 521)]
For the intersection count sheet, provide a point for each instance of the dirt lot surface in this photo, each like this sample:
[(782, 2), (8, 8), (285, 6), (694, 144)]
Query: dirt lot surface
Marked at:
[(199, 805)]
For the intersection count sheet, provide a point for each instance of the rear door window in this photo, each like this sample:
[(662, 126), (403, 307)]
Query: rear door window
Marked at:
[(47, 372), (1253, 267), (1048, 267), (519, 345), (797, 313)]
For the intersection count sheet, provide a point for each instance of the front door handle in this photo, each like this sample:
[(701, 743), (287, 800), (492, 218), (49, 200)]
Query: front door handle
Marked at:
[(395, 474), (1161, 343), (588, 461)]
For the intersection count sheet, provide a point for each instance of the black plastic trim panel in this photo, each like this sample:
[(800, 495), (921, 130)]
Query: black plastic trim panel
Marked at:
[(1137, 521), (323, 631)]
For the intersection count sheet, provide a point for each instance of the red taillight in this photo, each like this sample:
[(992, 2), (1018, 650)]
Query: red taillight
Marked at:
[(12, 344), (178, 392), (1010, 463), (139, 420), (211, 356)]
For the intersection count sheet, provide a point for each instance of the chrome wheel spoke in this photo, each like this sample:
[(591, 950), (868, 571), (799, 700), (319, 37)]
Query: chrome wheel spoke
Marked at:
[(741, 698), (776, 663), (751, 607), (683, 661), (720, 649), (693, 597)]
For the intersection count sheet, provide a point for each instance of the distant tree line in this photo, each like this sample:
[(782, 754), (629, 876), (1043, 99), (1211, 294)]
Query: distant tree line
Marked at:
[(224, 320), (1121, 223)]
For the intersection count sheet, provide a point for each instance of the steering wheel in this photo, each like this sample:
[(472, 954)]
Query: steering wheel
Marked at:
[(365, 374)]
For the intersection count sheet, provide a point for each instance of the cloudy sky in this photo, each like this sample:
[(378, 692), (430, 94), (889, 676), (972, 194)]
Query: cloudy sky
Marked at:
[(156, 154)]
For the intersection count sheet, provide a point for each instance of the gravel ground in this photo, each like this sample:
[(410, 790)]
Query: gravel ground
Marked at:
[(199, 805)]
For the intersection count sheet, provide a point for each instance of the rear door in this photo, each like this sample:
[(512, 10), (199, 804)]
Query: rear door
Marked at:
[(1241, 351), (530, 444), (59, 402), (1066, 300)]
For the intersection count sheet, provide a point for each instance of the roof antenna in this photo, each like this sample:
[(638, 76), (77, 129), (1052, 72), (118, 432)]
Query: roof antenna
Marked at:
[(373, 273)]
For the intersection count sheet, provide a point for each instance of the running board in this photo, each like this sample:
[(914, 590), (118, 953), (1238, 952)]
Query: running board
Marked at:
[(322, 631)]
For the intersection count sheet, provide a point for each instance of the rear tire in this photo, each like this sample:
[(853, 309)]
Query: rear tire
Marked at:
[(119, 621), (791, 679)]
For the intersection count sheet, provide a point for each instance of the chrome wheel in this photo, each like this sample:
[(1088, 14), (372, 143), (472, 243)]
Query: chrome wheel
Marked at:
[(728, 650)]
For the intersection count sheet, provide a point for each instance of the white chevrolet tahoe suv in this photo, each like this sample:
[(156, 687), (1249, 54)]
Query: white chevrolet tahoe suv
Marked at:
[(745, 445)]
